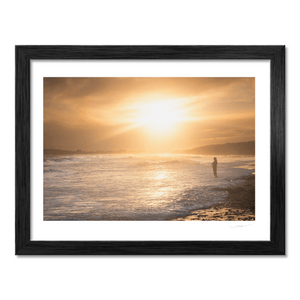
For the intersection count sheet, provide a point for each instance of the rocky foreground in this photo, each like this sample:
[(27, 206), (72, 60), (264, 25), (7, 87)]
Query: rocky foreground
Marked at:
[(239, 205)]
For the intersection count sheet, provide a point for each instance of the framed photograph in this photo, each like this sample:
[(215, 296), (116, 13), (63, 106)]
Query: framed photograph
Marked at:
[(150, 150)]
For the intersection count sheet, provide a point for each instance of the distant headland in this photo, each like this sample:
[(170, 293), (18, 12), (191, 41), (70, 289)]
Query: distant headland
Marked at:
[(244, 148)]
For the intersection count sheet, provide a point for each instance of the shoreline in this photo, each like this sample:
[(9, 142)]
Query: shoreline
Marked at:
[(239, 205)]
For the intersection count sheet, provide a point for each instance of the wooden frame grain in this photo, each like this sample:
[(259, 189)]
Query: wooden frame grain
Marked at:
[(23, 244)]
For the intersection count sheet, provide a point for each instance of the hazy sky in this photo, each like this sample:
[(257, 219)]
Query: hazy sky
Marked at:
[(147, 113)]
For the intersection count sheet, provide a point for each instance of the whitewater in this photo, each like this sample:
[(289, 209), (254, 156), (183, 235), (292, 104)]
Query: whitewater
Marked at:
[(136, 187)]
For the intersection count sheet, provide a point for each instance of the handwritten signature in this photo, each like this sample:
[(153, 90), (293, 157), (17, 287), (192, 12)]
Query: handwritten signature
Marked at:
[(237, 226)]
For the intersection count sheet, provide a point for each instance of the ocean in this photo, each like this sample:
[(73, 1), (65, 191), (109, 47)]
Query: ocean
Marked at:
[(136, 187)]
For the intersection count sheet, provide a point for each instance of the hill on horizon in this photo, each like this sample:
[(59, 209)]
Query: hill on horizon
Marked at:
[(242, 148)]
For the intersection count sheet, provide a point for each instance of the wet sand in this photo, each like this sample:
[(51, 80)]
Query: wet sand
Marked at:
[(239, 205)]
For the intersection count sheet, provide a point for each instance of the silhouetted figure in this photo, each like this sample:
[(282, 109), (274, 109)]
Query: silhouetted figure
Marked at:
[(214, 165)]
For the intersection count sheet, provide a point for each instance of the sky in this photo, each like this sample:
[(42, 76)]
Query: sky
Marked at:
[(149, 114)]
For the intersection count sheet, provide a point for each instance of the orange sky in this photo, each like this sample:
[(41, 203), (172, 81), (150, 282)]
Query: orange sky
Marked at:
[(120, 113)]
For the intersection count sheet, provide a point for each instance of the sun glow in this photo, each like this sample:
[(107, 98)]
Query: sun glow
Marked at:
[(160, 115)]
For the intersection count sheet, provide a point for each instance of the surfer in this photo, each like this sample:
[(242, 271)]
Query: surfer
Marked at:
[(214, 165)]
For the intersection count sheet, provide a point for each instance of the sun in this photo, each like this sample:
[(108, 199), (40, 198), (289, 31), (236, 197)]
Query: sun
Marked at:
[(160, 116)]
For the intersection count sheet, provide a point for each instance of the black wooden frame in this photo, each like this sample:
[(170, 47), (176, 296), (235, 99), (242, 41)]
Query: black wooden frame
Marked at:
[(276, 245)]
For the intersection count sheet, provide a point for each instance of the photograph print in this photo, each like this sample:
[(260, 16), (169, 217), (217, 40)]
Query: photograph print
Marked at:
[(149, 149)]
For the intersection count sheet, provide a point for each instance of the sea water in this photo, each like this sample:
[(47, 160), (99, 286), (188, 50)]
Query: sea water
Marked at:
[(136, 187)]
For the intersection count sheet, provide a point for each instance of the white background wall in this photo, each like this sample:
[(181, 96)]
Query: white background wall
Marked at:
[(148, 23)]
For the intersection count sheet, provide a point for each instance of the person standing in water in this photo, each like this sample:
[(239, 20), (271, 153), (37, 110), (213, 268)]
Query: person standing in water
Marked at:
[(214, 165)]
